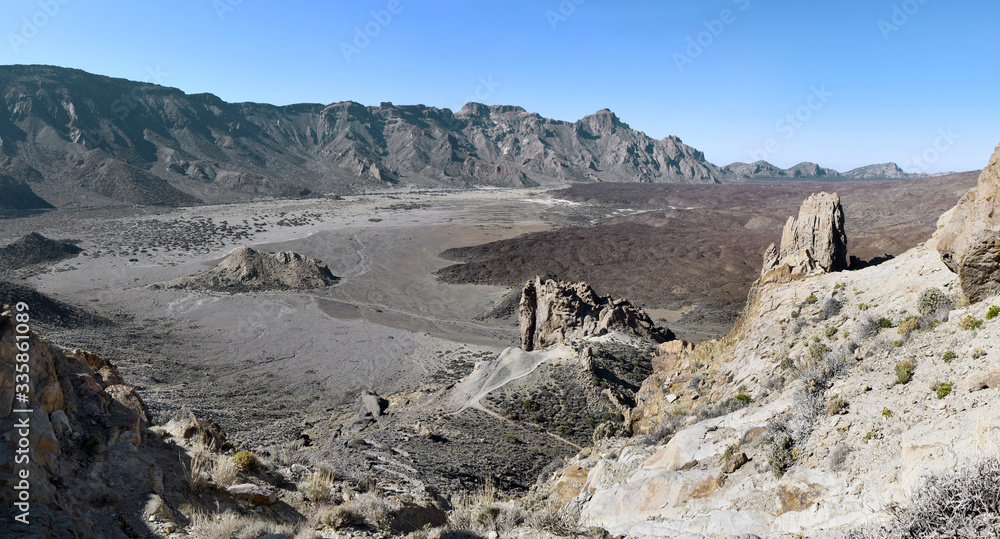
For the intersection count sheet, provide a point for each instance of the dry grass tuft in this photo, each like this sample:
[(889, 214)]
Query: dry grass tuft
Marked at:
[(230, 524)]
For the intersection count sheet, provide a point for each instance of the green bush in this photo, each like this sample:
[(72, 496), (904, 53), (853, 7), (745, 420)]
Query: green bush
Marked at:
[(884, 323), (886, 412), (933, 300), (817, 350), (970, 323), (948, 356), (908, 326), (787, 363), (943, 389), (993, 312), (830, 331), (246, 461), (811, 299), (780, 457), (904, 371)]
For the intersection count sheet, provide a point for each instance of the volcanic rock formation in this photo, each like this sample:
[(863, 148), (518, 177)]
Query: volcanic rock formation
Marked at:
[(555, 311), (247, 270), (968, 236), (814, 242)]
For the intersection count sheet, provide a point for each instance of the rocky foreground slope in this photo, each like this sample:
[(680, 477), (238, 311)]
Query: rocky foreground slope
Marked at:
[(826, 411)]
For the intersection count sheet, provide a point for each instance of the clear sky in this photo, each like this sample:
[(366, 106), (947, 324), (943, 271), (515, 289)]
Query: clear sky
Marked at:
[(842, 83)]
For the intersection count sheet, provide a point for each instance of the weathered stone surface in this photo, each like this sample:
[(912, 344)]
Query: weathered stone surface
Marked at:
[(248, 270), (254, 494), (188, 427), (815, 242), (373, 404), (735, 463), (990, 380), (568, 485), (554, 312), (968, 236)]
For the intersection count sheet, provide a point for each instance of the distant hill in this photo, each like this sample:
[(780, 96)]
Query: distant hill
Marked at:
[(79, 139), (806, 170)]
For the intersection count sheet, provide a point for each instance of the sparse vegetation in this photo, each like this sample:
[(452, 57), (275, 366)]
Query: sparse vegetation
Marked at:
[(943, 390), (978, 353), (886, 412), (909, 325), (831, 307), (246, 461), (993, 312), (970, 323), (835, 406), (811, 299), (933, 301), (818, 350), (904, 371), (884, 322), (948, 356), (830, 331), (779, 455)]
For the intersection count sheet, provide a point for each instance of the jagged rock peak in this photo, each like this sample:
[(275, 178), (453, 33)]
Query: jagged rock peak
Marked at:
[(815, 242), (968, 236), (250, 270), (553, 312)]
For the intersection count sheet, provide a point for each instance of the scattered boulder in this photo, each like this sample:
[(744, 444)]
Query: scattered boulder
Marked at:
[(254, 494), (815, 242), (247, 270), (735, 463), (186, 426), (990, 380), (968, 236), (556, 311), (373, 404)]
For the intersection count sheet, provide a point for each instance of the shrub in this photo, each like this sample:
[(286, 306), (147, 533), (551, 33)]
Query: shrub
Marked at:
[(911, 324), (787, 363), (933, 301), (731, 450), (898, 343), (970, 323), (196, 470), (338, 517), (943, 389), (246, 461), (866, 327), (811, 299), (817, 350), (963, 503), (978, 353), (779, 456), (510, 438), (319, 487), (948, 356), (231, 524), (838, 456), (886, 412), (862, 306), (830, 331), (884, 322), (224, 470), (904, 371), (836, 406), (831, 307), (993, 312)]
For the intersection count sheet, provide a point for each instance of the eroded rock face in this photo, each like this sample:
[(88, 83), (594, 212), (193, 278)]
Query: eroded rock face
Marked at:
[(968, 236), (554, 312), (248, 270), (815, 242)]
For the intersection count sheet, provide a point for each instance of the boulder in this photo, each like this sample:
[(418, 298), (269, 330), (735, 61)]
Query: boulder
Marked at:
[(553, 312), (373, 404), (188, 427), (813, 243), (253, 494), (968, 236)]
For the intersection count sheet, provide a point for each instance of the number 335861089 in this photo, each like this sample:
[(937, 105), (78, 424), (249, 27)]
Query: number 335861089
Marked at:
[(23, 344)]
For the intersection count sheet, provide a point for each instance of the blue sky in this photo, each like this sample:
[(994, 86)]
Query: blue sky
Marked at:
[(842, 83)]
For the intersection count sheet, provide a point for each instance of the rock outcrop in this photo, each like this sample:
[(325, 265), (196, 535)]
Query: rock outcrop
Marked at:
[(968, 236), (553, 312), (815, 242), (35, 249), (247, 270)]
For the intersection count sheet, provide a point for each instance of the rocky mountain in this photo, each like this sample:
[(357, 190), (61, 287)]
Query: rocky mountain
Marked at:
[(880, 171), (247, 270), (17, 195), (35, 249), (765, 170), (807, 170), (816, 241), (83, 140)]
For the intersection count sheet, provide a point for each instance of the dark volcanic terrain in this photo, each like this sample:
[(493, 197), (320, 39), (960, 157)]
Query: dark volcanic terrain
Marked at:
[(701, 245)]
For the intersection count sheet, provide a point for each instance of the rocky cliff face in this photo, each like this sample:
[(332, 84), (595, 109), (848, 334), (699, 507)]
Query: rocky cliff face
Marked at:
[(553, 312), (815, 242), (82, 139), (968, 236), (248, 270), (765, 170)]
